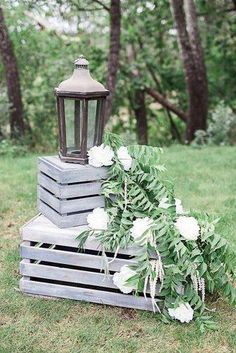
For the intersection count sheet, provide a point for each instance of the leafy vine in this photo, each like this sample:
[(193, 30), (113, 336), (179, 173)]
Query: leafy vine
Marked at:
[(177, 270)]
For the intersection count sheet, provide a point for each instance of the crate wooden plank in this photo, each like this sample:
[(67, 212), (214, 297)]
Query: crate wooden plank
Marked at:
[(48, 198), (49, 169), (69, 190), (61, 221), (85, 294), (49, 184), (42, 271), (41, 229), (66, 173), (69, 206), (66, 274), (70, 258)]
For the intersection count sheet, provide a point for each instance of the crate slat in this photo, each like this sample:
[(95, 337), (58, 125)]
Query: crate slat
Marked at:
[(69, 206), (41, 229), (70, 258), (63, 221), (66, 275), (69, 190), (85, 294), (67, 173)]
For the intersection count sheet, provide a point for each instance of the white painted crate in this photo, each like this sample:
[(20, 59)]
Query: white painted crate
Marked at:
[(52, 266), (68, 192)]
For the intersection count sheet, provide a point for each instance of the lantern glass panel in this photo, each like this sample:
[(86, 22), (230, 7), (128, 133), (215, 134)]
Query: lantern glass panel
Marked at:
[(73, 117), (94, 122), (83, 124)]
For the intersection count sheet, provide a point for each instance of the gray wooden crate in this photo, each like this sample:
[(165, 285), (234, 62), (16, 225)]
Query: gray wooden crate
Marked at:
[(67, 192), (52, 266)]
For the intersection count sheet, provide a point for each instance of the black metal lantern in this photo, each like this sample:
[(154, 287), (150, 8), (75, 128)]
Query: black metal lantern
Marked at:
[(81, 107)]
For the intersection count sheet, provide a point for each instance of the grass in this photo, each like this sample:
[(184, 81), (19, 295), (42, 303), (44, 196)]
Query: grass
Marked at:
[(205, 179)]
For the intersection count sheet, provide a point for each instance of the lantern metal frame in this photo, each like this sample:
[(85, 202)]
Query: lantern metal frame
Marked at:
[(83, 98)]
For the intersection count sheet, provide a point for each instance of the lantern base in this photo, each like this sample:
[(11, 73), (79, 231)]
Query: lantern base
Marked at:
[(72, 159)]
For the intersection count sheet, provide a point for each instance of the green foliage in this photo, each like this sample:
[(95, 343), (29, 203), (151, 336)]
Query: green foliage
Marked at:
[(12, 148), (190, 267), (205, 323), (201, 138), (45, 54), (221, 128)]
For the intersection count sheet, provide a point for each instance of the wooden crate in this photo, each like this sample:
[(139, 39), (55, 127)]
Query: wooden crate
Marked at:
[(52, 266), (67, 192)]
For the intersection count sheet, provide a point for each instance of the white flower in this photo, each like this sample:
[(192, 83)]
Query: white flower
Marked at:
[(165, 204), (188, 227), (183, 313), (180, 289), (100, 156), (124, 157), (98, 219), (178, 206), (140, 226), (120, 279)]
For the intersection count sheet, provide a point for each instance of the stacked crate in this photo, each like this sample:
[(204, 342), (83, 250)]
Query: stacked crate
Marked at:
[(68, 192), (52, 266), (51, 263)]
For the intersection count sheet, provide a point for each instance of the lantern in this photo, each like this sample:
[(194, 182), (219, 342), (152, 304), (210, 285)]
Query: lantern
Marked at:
[(81, 107)]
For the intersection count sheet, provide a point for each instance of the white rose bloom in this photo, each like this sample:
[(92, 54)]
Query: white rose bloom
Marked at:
[(164, 203), (120, 279), (100, 156), (98, 219), (124, 157), (188, 227), (140, 226), (178, 206), (183, 313)]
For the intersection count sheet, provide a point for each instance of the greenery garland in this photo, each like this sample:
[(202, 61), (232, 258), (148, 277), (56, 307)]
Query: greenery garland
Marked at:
[(185, 268)]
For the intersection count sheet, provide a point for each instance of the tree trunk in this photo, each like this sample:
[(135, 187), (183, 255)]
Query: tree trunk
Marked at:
[(12, 81), (113, 59), (194, 66), (141, 116), (137, 100)]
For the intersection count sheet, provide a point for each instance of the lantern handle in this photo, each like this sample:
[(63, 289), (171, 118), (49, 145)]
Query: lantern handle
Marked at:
[(81, 62)]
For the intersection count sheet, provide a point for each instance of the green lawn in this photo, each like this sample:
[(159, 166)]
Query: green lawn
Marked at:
[(205, 179)]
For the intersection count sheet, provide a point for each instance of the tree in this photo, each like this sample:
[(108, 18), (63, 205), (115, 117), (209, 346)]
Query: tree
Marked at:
[(141, 116), (114, 50), (12, 80), (137, 99), (167, 104), (45, 55), (194, 66)]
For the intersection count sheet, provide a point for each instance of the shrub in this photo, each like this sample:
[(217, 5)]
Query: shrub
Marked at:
[(12, 148), (222, 126), (221, 129)]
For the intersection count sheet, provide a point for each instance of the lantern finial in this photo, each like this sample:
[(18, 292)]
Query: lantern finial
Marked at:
[(81, 62)]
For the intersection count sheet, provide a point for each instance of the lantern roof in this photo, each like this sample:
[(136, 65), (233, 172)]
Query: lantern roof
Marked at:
[(81, 82)]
